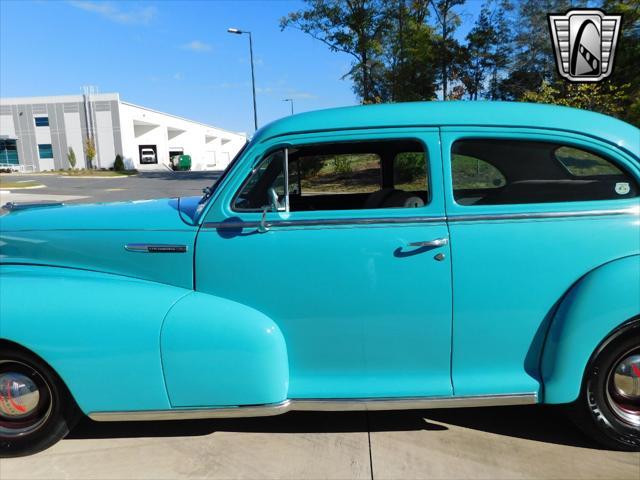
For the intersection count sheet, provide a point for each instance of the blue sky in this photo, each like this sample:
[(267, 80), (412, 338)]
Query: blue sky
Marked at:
[(174, 56)]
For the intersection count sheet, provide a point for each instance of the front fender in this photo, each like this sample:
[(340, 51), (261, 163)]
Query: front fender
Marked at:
[(99, 332), (599, 303), (217, 352)]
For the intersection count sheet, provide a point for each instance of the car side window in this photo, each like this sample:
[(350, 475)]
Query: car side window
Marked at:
[(521, 171), (340, 176)]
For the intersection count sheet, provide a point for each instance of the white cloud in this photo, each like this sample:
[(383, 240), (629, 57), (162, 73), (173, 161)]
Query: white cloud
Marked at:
[(232, 85), (197, 46), (113, 12), (301, 95), (177, 76), (257, 61)]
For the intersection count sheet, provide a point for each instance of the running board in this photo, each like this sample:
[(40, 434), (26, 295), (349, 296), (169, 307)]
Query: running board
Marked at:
[(325, 405)]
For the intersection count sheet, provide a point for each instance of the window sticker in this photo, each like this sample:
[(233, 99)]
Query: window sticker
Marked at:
[(622, 188)]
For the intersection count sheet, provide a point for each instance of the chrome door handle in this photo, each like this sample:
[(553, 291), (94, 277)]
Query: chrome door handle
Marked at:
[(438, 242)]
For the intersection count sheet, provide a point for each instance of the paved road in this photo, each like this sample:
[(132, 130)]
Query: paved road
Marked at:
[(508, 442), (139, 187)]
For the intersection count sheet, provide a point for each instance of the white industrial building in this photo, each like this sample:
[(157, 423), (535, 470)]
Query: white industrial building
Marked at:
[(36, 134)]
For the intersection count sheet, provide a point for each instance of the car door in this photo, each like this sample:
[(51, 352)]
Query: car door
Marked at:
[(530, 212), (363, 312)]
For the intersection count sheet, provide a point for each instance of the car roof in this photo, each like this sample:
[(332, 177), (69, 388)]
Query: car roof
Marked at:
[(460, 113)]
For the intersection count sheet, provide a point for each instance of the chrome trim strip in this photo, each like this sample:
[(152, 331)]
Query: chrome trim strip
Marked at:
[(325, 222), (286, 180), (543, 215), (326, 405), (155, 248), (425, 219)]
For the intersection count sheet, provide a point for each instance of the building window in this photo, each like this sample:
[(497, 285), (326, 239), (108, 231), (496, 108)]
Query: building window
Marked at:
[(45, 150), (8, 152), (42, 121)]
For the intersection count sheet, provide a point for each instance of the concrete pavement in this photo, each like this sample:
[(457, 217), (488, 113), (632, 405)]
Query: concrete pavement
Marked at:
[(506, 442)]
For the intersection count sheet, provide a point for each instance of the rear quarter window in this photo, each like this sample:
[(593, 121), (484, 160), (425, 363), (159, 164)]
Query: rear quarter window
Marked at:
[(581, 163), (507, 171)]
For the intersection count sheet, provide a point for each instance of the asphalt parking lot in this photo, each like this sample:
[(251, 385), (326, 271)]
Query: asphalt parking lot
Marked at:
[(507, 442), (487, 443), (142, 186)]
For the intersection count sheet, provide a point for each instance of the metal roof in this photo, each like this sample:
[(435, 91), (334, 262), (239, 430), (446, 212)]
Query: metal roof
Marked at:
[(460, 113)]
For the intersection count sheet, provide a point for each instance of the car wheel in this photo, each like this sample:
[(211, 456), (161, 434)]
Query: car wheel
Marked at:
[(36, 409), (609, 406)]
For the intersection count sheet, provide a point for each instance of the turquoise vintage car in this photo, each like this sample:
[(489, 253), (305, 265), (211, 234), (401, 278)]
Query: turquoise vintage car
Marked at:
[(366, 258)]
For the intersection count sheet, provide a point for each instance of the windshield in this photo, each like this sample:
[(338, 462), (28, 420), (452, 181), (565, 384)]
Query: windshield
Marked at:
[(208, 191)]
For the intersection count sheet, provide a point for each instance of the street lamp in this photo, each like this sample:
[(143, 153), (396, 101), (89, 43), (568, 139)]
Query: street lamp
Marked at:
[(290, 100), (253, 78)]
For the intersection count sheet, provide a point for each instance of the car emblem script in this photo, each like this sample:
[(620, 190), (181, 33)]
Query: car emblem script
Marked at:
[(585, 44)]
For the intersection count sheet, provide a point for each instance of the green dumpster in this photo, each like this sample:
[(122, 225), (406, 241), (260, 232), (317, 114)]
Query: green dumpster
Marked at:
[(181, 162)]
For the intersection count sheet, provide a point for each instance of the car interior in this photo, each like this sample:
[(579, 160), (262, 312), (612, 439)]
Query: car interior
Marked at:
[(343, 176), (519, 172)]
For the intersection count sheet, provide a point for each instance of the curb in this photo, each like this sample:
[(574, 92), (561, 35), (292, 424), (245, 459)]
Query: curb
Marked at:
[(102, 177), (33, 187)]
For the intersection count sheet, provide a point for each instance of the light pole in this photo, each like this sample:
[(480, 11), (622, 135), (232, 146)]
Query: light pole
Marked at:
[(253, 78), (290, 100)]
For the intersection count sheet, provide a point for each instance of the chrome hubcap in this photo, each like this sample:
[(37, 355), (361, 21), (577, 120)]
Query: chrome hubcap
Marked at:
[(19, 395), (25, 399), (623, 388)]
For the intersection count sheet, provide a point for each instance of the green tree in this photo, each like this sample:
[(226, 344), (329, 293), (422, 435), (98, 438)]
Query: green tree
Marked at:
[(89, 151), (477, 55), (501, 50), (447, 22), (354, 27), (626, 61), (604, 97), (533, 60), (409, 53), (487, 52), (118, 163), (71, 158)]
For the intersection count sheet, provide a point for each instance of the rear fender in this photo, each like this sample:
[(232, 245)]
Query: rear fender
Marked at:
[(596, 306)]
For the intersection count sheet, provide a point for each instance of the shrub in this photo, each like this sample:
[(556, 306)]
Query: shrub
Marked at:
[(118, 163), (409, 166), (90, 151), (341, 164), (71, 157), (310, 166)]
